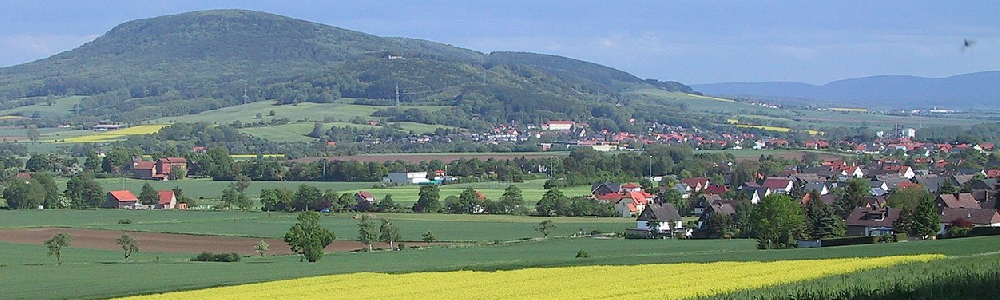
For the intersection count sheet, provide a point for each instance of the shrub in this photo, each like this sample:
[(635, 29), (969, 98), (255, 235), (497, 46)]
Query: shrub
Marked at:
[(582, 254), (217, 257), (400, 247), (124, 221), (957, 231)]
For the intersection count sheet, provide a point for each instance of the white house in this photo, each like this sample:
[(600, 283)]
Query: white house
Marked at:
[(558, 125), (663, 216), (406, 177)]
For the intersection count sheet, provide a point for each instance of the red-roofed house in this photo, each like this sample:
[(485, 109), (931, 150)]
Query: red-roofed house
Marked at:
[(165, 164), (120, 199), (696, 183), (631, 187), (158, 170), (716, 189), (633, 203), (143, 169), (167, 200), (778, 185)]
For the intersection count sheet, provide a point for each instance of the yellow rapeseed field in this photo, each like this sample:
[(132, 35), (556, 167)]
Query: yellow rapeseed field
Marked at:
[(652, 281), (115, 134)]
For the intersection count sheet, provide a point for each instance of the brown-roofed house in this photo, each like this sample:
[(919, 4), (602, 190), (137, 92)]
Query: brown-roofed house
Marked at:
[(120, 199), (978, 217), (957, 200), (866, 221)]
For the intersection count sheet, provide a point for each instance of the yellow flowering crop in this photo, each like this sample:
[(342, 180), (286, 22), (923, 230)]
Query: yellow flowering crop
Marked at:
[(115, 134), (652, 281)]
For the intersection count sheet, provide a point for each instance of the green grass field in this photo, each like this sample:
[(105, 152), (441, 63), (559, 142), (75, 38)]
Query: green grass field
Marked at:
[(61, 107), (171, 273)]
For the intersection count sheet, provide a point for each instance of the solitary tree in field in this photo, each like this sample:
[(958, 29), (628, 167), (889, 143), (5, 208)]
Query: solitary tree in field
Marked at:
[(261, 247), (388, 233), (148, 195), (429, 237), (128, 244), (33, 133), (367, 232), (544, 227), (307, 238), (56, 243)]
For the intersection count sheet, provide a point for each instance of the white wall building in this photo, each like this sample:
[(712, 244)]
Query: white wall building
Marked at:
[(406, 177)]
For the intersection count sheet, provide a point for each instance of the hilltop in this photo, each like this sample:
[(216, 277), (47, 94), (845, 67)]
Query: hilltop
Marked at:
[(192, 62)]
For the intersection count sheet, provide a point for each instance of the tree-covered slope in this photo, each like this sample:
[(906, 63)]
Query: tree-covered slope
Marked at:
[(186, 63)]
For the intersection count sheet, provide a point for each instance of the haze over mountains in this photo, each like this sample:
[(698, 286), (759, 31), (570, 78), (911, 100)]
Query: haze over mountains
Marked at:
[(975, 90)]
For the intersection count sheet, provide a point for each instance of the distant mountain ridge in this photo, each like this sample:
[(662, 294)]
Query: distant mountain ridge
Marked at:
[(190, 62), (897, 91)]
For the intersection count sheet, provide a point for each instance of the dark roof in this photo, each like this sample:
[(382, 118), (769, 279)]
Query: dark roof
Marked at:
[(864, 216), (611, 186), (976, 216), (663, 212), (721, 207), (960, 200)]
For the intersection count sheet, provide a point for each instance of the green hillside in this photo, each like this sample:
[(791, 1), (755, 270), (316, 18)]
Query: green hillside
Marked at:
[(184, 64)]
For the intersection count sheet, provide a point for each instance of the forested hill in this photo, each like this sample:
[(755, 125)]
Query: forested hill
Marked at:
[(191, 62)]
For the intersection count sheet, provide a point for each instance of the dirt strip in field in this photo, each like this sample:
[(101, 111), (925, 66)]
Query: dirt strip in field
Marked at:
[(162, 242)]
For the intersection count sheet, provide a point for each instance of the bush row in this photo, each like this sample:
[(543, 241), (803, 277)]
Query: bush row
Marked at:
[(218, 257)]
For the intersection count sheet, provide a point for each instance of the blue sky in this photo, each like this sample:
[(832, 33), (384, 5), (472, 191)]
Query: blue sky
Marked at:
[(687, 41)]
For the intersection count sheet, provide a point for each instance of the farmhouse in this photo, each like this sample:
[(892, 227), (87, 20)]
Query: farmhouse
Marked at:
[(159, 169), (167, 200), (406, 178), (365, 200), (120, 199)]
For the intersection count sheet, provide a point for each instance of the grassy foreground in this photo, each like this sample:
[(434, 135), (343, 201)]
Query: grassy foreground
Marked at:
[(77, 280)]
